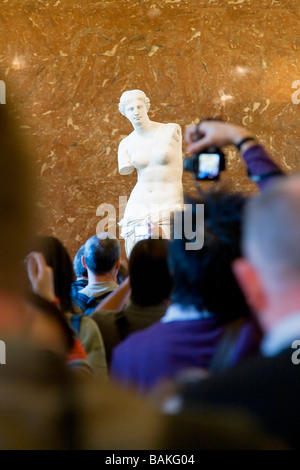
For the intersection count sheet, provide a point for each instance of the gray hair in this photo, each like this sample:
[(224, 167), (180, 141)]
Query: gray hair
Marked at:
[(129, 95), (271, 234), (79, 269), (101, 252)]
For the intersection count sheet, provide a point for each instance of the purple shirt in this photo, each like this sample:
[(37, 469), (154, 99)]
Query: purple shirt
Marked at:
[(163, 350), (259, 162)]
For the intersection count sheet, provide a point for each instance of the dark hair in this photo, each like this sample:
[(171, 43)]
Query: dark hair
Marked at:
[(204, 277), (51, 311), (59, 260), (79, 269), (101, 254), (122, 273), (150, 279)]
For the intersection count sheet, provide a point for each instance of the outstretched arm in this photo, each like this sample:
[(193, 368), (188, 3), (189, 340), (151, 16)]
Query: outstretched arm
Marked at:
[(261, 167)]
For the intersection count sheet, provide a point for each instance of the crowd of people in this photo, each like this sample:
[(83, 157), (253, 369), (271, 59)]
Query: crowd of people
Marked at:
[(187, 349)]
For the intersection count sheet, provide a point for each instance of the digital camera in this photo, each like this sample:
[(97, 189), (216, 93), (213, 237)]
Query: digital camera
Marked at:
[(206, 165)]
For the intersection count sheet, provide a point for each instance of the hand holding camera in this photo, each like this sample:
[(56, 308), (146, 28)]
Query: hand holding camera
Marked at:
[(204, 140), (213, 133)]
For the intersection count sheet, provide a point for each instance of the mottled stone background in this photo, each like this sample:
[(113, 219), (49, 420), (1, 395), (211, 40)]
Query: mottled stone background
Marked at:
[(66, 63)]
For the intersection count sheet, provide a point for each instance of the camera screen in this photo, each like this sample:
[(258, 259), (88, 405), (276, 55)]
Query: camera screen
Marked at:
[(209, 166), (141, 230)]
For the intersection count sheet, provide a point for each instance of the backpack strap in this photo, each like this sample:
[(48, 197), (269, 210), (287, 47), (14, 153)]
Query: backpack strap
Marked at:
[(81, 300), (76, 322), (93, 302), (122, 324)]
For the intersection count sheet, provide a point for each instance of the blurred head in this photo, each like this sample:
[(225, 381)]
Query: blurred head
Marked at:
[(16, 222), (203, 278), (79, 269), (270, 272), (59, 260), (16, 195), (149, 274), (43, 381), (101, 253), (272, 232)]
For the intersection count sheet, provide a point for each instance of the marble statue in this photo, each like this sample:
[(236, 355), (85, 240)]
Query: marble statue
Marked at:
[(155, 151)]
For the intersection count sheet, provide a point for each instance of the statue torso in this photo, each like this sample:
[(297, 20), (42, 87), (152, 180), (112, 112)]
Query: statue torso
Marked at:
[(157, 157)]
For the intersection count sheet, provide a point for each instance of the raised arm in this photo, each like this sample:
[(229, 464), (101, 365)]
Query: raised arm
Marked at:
[(261, 168), (40, 276), (124, 161)]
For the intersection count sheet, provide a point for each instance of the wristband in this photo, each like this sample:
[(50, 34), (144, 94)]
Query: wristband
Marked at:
[(264, 176), (243, 141)]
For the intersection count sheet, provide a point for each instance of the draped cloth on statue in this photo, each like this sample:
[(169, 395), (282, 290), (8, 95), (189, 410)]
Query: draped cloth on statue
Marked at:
[(161, 220)]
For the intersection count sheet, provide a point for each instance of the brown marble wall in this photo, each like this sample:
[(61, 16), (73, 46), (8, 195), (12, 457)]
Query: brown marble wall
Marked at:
[(66, 63)]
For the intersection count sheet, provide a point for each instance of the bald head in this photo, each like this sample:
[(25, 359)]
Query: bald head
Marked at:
[(271, 238)]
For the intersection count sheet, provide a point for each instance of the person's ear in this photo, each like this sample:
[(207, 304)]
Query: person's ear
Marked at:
[(118, 263), (250, 284), (83, 262)]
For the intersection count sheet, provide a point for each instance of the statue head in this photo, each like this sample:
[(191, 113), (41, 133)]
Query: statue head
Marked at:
[(127, 96)]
